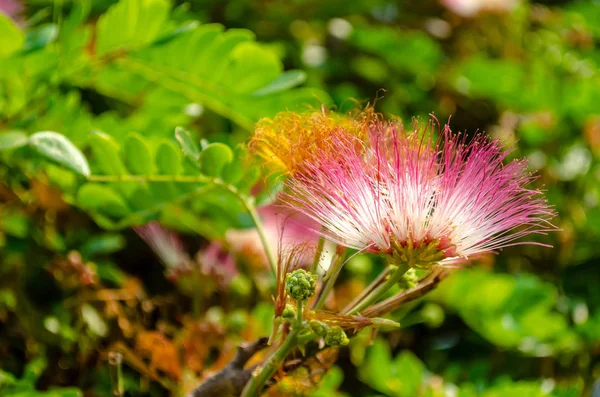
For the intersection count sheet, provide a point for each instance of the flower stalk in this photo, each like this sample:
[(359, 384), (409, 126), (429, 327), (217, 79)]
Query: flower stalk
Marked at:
[(368, 290), (380, 290), (329, 281), (318, 254), (299, 285), (427, 284), (248, 203), (115, 360)]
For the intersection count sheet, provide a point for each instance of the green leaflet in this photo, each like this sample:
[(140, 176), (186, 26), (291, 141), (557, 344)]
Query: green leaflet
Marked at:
[(11, 37), (130, 24), (56, 147)]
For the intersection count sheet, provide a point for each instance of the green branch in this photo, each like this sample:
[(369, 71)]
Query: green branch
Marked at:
[(155, 178), (318, 254), (378, 292), (330, 279)]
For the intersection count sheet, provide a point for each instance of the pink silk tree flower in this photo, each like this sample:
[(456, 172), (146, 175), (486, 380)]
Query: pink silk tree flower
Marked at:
[(213, 260), (470, 8), (13, 9), (167, 246), (423, 201)]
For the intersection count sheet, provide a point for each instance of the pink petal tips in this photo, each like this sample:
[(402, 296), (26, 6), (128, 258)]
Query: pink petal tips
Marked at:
[(403, 193)]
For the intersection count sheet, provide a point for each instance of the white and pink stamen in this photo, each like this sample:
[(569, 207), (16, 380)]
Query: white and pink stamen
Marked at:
[(402, 189)]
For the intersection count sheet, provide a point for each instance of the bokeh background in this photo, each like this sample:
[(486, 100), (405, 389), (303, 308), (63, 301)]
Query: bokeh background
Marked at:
[(80, 279)]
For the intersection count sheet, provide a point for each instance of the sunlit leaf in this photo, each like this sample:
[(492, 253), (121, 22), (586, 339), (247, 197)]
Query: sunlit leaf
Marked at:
[(168, 161), (101, 198), (286, 80), (376, 370), (56, 147), (176, 32), (11, 37), (492, 304), (137, 155), (189, 147), (214, 157), (40, 37), (222, 70), (130, 24), (13, 139), (106, 154), (103, 244), (93, 320)]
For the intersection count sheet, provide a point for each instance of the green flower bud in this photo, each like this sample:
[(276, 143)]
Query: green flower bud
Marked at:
[(336, 337), (289, 312), (300, 284), (318, 327), (433, 315), (409, 279)]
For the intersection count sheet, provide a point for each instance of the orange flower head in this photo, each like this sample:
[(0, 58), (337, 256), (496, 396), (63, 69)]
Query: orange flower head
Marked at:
[(290, 139)]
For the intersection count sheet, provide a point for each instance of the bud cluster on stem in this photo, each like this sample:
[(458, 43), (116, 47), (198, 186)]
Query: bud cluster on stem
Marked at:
[(300, 285)]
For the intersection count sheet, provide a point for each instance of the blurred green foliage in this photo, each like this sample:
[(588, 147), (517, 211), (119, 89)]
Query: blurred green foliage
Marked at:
[(154, 89)]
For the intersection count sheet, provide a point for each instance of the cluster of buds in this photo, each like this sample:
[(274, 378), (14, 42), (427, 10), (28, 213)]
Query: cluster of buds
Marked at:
[(300, 284), (333, 336), (289, 312), (409, 279), (336, 336)]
